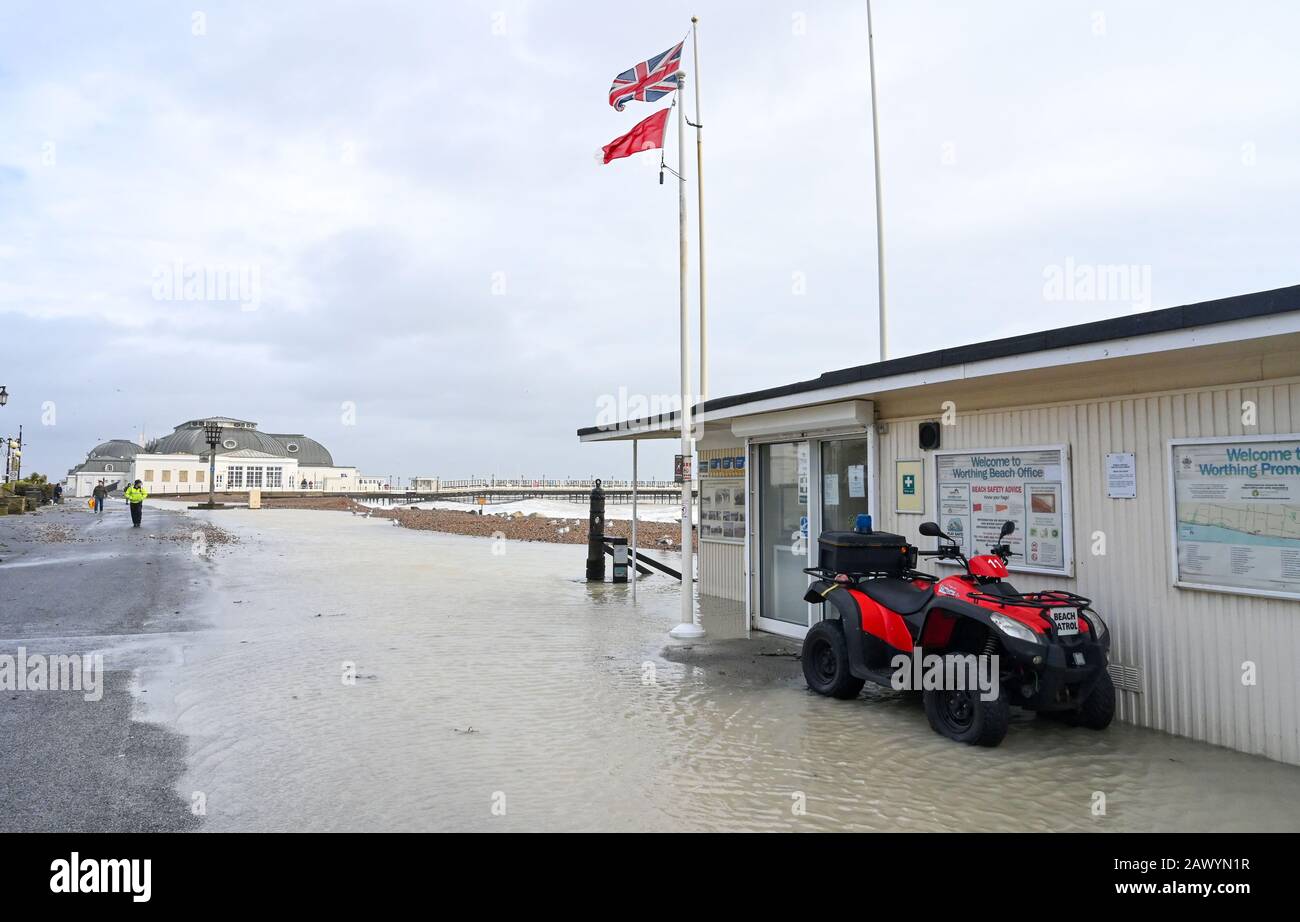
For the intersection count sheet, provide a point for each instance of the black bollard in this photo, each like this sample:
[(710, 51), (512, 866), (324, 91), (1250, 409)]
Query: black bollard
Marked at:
[(596, 536)]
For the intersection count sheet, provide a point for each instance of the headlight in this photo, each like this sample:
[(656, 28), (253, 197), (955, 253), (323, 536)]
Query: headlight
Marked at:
[(1013, 628), (1094, 621)]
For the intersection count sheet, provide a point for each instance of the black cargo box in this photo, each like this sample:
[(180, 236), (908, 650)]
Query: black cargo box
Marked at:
[(860, 553)]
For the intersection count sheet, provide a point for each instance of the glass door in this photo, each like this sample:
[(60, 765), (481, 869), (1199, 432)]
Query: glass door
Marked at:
[(783, 473), (843, 483)]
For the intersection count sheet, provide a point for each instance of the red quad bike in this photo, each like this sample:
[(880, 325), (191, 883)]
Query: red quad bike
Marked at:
[(1051, 646)]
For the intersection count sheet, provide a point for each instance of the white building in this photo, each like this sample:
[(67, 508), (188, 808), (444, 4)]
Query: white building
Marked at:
[(1150, 462), (247, 458), (110, 462)]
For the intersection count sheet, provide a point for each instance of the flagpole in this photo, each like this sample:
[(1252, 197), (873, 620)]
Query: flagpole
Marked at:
[(699, 212), (880, 222), (689, 628)]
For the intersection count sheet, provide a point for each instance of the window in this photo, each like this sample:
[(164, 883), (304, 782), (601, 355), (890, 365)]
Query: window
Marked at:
[(167, 476), (199, 476), (183, 476), (274, 477), (255, 477), (235, 477), (148, 475)]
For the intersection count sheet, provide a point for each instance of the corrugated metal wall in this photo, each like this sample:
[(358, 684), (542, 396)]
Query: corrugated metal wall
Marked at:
[(722, 570), (1189, 645)]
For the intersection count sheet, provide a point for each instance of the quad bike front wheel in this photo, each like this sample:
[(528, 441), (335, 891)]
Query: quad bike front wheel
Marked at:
[(965, 717), (1098, 709), (825, 660)]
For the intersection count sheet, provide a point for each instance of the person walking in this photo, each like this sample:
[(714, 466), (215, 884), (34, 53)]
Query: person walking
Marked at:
[(100, 493), (135, 495), (58, 492)]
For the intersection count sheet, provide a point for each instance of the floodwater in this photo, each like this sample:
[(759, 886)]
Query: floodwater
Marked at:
[(495, 690)]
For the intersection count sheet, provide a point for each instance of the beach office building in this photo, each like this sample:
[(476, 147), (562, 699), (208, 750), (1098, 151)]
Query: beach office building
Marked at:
[(1149, 462)]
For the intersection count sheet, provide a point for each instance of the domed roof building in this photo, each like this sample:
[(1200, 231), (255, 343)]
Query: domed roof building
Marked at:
[(247, 458), (115, 449)]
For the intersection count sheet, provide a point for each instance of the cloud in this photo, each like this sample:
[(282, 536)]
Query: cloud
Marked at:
[(433, 239)]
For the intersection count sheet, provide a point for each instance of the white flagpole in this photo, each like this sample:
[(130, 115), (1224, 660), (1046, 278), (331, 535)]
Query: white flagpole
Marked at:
[(699, 212), (634, 544), (689, 628), (880, 222)]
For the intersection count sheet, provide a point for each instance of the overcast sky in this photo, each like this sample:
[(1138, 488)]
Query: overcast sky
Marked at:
[(413, 195)]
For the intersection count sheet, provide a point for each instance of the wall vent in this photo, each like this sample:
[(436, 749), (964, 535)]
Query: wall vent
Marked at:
[(1126, 678)]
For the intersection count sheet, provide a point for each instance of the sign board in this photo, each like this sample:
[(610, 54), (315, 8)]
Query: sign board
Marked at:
[(1236, 514), (1121, 475), (681, 469), (909, 494), (722, 510), (722, 462), (977, 491)]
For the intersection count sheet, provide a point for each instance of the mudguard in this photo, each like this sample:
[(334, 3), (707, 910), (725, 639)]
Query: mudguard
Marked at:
[(879, 621), (873, 634)]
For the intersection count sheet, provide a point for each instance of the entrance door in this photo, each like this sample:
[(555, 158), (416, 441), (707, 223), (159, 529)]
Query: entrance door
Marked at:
[(783, 479), (843, 483)]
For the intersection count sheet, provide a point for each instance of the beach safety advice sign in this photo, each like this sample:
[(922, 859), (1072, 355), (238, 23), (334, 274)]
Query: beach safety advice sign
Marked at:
[(1236, 510), (977, 491)]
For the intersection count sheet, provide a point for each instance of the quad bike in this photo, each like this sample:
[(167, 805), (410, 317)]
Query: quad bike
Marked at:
[(1048, 650)]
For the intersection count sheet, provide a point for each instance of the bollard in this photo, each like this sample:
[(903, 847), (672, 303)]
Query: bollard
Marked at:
[(596, 536)]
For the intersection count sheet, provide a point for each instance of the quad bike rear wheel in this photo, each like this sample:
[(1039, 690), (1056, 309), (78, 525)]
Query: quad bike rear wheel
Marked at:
[(826, 662), (965, 717)]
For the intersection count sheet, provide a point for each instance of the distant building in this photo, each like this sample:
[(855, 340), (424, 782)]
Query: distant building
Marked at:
[(110, 462), (247, 458)]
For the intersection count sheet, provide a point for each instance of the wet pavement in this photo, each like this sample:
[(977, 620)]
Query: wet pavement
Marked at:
[(334, 672)]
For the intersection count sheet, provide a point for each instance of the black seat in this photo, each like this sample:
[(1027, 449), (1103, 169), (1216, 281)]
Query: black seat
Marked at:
[(898, 595)]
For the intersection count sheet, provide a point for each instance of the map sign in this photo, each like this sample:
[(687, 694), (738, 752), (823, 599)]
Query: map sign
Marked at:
[(977, 492), (1237, 514)]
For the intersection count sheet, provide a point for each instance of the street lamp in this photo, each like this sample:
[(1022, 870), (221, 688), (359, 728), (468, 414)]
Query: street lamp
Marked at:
[(4, 395), (211, 435)]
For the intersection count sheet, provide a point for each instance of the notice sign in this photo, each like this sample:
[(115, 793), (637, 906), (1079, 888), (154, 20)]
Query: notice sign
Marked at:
[(1237, 514), (977, 492), (722, 511), (909, 496), (1121, 475)]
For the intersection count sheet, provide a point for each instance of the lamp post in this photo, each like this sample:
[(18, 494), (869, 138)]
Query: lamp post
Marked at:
[(211, 435), (4, 398)]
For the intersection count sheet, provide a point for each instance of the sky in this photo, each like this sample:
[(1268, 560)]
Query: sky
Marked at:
[(415, 256)]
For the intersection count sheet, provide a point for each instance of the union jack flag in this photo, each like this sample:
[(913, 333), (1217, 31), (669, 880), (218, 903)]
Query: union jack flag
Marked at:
[(649, 81)]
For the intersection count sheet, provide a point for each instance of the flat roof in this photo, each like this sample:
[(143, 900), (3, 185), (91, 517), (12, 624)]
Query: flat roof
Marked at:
[(1167, 320)]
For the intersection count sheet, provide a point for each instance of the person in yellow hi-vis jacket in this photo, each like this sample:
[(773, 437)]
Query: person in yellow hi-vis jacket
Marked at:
[(135, 496)]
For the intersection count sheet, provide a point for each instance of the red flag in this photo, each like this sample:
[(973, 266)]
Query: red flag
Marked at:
[(646, 135)]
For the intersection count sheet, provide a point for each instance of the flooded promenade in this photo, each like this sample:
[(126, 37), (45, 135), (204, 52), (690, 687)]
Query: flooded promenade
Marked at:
[(333, 672)]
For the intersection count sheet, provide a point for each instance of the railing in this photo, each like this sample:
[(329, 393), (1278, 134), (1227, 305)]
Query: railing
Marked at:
[(523, 483)]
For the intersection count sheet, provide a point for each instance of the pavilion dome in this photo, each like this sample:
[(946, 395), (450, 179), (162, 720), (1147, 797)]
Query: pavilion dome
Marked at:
[(115, 448), (187, 441), (309, 452)]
